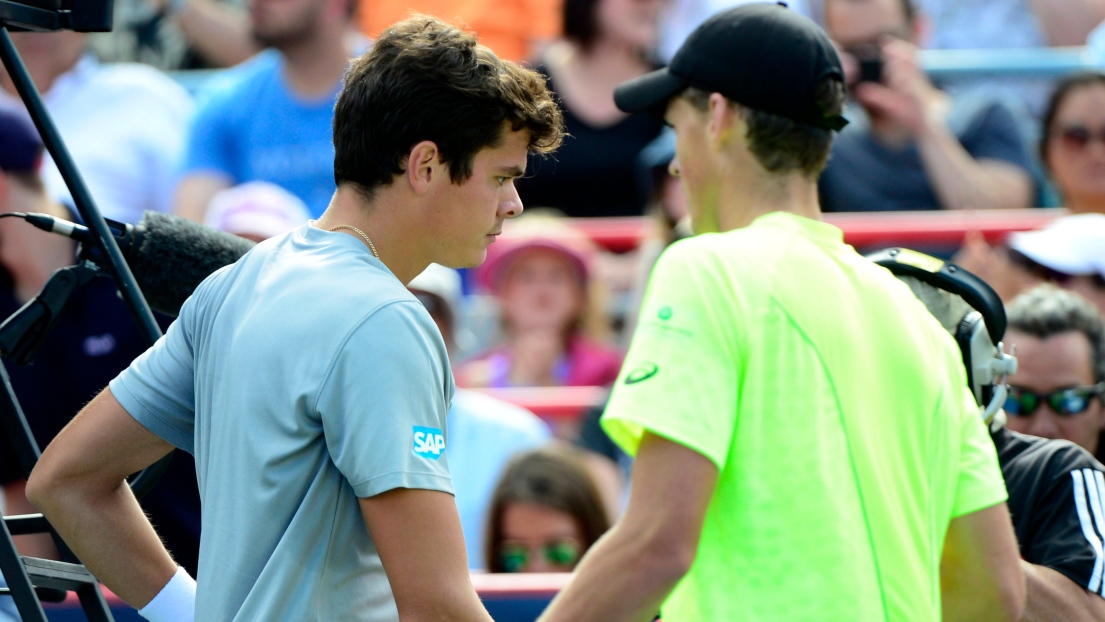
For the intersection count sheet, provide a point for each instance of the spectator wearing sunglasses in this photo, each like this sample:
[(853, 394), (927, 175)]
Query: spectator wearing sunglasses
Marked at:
[(1055, 497), (1072, 146), (1072, 149), (545, 513), (1058, 388)]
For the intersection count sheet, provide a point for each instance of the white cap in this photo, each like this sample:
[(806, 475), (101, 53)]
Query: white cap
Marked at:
[(257, 209), (1072, 245), (442, 282), (445, 283)]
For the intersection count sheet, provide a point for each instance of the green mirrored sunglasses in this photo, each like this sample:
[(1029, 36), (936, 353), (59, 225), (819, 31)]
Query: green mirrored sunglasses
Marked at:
[(561, 553), (1068, 401)]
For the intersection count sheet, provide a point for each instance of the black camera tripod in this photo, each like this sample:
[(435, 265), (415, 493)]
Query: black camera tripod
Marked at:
[(31, 579)]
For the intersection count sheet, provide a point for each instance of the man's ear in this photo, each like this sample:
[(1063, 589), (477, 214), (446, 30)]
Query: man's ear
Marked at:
[(423, 166), (721, 119)]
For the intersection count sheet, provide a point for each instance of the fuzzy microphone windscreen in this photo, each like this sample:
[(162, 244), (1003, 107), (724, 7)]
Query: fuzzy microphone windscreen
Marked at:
[(173, 255)]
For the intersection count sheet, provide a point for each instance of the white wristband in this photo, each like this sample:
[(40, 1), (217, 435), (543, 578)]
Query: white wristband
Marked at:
[(176, 602)]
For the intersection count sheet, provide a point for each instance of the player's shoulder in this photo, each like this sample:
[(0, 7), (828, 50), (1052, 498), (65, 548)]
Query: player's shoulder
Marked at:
[(706, 249)]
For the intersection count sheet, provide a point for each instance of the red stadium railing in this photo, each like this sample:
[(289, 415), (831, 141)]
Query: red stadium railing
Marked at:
[(937, 228), (552, 403), (541, 585), (508, 597), (562, 406), (520, 597)]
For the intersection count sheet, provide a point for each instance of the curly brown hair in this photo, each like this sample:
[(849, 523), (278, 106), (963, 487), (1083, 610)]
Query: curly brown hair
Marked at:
[(426, 80)]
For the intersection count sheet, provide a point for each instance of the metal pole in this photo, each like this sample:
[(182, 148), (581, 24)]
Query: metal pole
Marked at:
[(87, 209), (102, 236), (1009, 63)]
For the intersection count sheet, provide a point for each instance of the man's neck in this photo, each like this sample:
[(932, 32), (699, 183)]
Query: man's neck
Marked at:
[(389, 220), (314, 67), (744, 198)]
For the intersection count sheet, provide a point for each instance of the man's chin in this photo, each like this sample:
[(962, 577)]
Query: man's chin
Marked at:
[(466, 262)]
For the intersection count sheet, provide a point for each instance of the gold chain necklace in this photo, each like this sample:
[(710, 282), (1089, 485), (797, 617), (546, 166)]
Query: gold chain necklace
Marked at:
[(371, 246)]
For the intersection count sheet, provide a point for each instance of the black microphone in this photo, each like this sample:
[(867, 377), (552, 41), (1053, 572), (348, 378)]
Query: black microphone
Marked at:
[(123, 232), (168, 255)]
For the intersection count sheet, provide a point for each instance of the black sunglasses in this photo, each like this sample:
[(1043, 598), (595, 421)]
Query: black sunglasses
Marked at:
[(1078, 137), (1066, 402)]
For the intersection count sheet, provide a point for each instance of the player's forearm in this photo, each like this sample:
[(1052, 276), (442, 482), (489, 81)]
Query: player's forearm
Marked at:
[(1053, 597), (620, 579), (452, 598), (109, 534), (961, 182), (464, 608)]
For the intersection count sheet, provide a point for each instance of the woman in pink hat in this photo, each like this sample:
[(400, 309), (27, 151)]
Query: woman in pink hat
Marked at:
[(553, 323)]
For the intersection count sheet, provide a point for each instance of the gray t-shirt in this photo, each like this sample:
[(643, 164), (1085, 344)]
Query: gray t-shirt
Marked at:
[(302, 377)]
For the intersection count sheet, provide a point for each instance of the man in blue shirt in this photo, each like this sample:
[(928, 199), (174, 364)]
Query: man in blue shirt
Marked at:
[(269, 118)]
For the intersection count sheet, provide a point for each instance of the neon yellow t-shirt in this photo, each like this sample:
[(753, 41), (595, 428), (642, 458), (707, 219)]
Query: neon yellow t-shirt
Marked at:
[(836, 409)]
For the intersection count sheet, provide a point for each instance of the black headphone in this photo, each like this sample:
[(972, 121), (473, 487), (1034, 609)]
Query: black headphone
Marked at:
[(978, 333)]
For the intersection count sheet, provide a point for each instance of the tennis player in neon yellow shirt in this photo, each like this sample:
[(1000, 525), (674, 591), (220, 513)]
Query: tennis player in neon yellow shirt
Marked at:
[(806, 444)]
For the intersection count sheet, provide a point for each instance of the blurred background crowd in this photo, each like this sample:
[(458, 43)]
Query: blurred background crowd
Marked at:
[(220, 111)]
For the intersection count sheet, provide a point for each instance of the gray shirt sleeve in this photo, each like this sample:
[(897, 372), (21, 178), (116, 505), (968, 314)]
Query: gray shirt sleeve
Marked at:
[(158, 388), (384, 402)]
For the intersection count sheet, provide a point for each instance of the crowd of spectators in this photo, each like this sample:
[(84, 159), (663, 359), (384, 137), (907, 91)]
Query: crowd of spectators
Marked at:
[(249, 152)]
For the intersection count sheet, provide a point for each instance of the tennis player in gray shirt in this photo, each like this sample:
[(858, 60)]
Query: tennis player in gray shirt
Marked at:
[(311, 387)]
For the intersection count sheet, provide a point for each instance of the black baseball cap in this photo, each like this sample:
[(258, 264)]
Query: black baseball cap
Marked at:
[(763, 56)]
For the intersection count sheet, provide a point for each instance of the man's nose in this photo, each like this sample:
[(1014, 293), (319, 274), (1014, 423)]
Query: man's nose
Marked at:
[(1044, 423), (511, 204)]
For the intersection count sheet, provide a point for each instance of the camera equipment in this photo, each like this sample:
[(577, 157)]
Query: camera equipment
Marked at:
[(978, 333), (49, 15), (28, 577), (869, 58), (169, 255)]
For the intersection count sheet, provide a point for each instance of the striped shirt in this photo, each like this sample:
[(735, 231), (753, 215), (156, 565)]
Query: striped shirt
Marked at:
[(1057, 498)]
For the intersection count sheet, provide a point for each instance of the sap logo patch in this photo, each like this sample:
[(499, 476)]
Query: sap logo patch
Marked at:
[(429, 443)]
